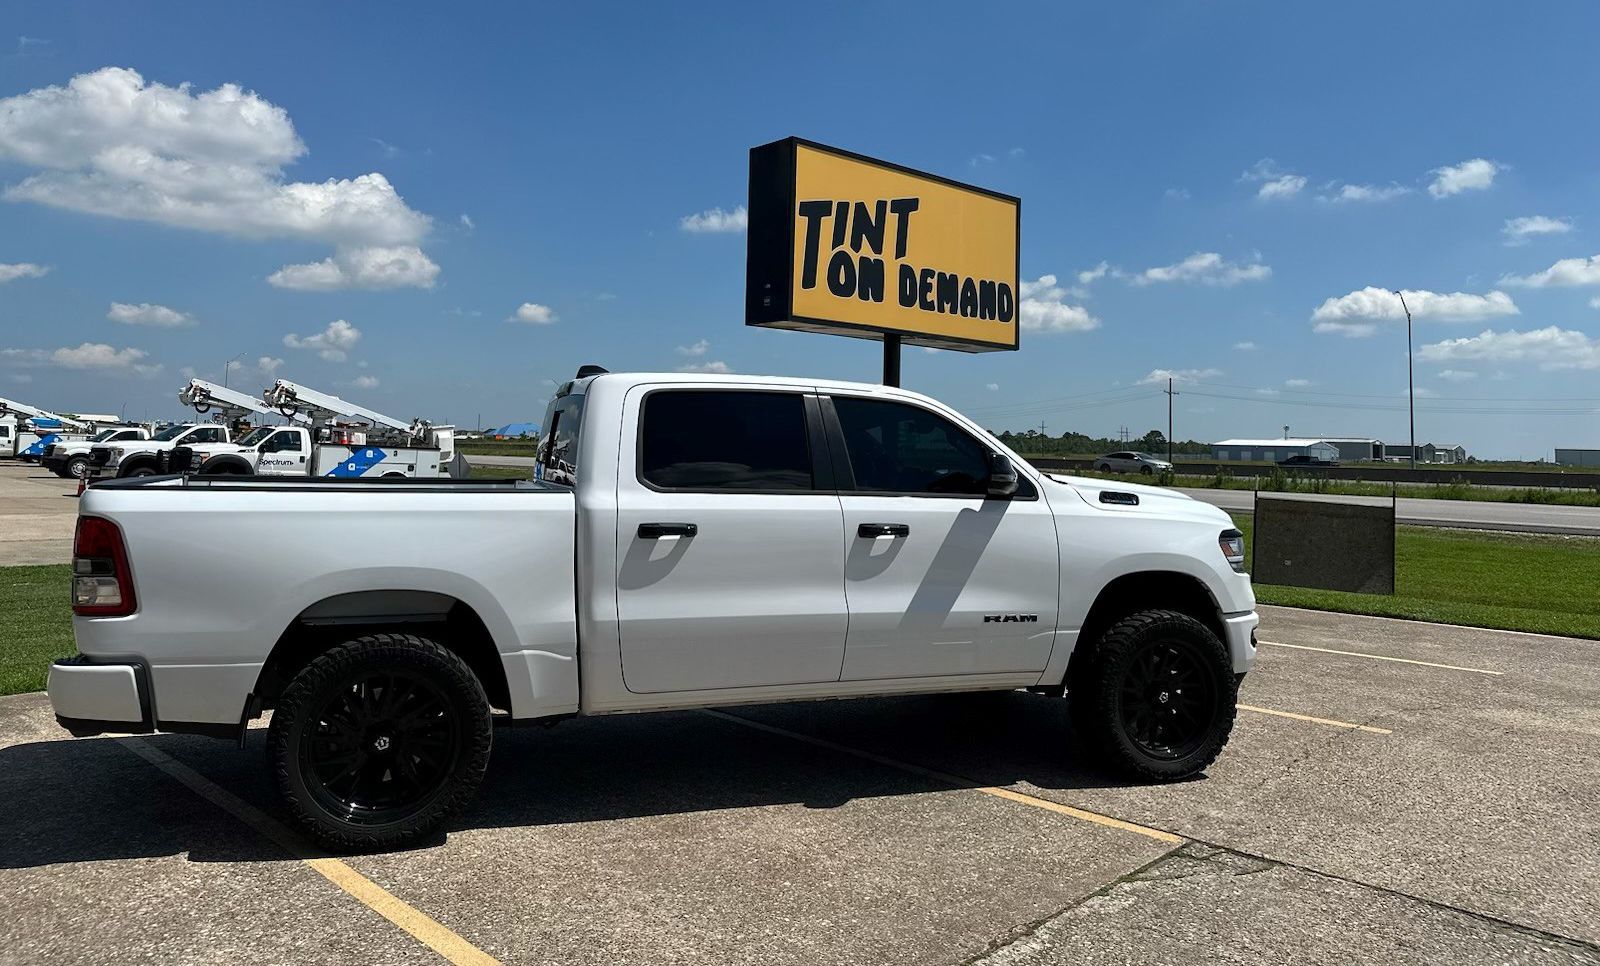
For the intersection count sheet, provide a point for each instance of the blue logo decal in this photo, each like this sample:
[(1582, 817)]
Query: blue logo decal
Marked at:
[(37, 449), (358, 462)]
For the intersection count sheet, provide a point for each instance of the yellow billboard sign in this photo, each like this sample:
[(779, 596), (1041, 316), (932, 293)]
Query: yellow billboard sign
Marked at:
[(848, 245)]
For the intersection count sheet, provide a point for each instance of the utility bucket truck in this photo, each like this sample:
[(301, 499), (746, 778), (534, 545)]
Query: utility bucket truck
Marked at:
[(340, 440), (230, 430), (27, 430)]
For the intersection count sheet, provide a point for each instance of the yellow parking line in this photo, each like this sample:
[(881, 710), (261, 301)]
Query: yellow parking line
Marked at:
[(1321, 721), (1381, 657), (422, 927), (958, 782)]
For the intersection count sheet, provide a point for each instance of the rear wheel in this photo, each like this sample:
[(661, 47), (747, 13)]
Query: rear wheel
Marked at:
[(1104, 467), (380, 741), (1155, 698), (1147, 471)]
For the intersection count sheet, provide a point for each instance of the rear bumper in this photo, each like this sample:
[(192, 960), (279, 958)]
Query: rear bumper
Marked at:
[(91, 699), (1241, 639)]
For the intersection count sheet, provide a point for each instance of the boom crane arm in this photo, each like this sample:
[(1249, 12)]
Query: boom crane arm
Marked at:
[(11, 406), (206, 396), (287, 397)]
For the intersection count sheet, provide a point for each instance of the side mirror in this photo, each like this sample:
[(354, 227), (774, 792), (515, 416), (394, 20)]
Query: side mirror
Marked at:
[(1002, 475)]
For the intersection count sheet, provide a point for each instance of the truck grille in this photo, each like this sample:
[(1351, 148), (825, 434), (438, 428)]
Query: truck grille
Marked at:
[(99, 456), (180, 459)]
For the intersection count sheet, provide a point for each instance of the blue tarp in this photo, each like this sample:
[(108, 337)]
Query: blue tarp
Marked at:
[(514, 429)]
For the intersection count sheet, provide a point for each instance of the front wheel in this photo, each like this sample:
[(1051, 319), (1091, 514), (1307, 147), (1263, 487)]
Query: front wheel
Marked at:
[(1147, 471), (78, 467), (1155, 697), (380, 741)]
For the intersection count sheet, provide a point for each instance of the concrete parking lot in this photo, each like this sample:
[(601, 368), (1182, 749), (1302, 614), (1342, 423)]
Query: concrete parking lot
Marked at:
[(37, 513), (1394, 792)]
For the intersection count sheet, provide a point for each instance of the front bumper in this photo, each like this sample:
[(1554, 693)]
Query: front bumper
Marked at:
[(92, 699), (1241, 639), (54, 463)]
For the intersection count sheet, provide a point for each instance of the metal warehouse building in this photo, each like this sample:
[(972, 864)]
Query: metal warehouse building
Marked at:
[(1272, 450), (1578, 457)]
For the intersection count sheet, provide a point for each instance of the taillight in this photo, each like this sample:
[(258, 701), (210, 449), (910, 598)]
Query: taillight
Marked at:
[(102, 584)]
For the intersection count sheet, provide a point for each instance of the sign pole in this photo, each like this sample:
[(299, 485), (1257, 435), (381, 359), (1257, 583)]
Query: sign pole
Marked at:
[(891, 360)]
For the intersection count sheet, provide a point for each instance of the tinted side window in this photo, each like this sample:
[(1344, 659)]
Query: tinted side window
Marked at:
[(205, 434), (898, 448), (724, 440), (286, 442), (558, 451)]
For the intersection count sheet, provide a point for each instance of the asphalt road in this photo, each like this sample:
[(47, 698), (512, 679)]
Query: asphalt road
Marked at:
[(1393, 792), (1521, 517)]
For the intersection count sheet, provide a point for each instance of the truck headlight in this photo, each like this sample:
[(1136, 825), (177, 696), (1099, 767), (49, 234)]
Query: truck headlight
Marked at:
[(1231, 543)]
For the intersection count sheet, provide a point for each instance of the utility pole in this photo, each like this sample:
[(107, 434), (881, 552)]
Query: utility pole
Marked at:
[(1170, 393), (1411, 384), (226, 366)]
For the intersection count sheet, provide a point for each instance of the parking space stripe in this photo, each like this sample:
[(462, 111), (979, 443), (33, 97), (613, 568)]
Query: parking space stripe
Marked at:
[(418, 924), (1330, 722), (1381, 657), (959, 782)]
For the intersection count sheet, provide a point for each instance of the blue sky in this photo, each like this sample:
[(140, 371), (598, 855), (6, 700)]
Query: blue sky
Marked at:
[(420, 173)]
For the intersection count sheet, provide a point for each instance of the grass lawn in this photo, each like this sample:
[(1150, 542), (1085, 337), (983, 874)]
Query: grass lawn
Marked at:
[(37, 626), (1544, 583), (1456, 489), (500, 473), (497, 447)]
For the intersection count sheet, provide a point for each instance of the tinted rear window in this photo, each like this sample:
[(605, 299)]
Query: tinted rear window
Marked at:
[(724, 440)]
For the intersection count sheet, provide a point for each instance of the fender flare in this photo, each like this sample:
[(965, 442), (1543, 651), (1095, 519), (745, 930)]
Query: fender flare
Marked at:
[(225, 464)]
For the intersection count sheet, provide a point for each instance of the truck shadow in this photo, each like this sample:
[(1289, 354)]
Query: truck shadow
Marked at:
[(93, 800)]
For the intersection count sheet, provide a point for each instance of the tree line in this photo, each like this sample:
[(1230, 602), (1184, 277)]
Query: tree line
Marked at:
[(1155, 442)]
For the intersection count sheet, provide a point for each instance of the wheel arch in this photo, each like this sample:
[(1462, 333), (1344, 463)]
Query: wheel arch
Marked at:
[(225, 464), (137, 461), (329, 622), (1130, 593)]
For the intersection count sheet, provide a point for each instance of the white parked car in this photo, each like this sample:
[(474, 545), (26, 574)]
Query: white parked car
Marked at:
[(691, 541), (71, 457)]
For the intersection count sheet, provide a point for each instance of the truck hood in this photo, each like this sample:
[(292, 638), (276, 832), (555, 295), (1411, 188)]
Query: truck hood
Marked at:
[(1154, 501)]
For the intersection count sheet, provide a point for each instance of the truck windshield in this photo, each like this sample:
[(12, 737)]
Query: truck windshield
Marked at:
[(558, 451), (173, 432), (103, 435), (256, 435)]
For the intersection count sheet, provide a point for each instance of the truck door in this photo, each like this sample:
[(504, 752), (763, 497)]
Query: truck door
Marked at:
[(940, 580), (284, 453), (729, 572)]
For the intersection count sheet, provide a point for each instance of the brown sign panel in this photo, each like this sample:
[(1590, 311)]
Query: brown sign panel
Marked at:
[(1324, 545), (848, 245)]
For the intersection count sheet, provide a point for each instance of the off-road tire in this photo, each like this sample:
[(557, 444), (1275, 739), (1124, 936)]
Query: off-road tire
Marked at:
[(339, 669), (1096, 695)]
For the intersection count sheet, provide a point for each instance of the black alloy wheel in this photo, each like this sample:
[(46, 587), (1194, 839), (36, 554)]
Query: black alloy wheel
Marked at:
[(380, 747), (379, 741), (1168, 699)]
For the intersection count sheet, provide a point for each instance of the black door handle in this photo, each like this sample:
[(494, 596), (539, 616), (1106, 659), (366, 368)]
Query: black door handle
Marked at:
[(870, 530), (652, 531)]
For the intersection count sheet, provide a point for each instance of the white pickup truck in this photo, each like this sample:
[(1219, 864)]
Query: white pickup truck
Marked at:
[(296, 451), (142, 457), (691, 541), (71, 457)]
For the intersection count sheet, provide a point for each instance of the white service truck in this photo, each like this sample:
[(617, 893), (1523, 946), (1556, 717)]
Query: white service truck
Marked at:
[(65, 457), (692, 541), (143, 457), (26, 430)]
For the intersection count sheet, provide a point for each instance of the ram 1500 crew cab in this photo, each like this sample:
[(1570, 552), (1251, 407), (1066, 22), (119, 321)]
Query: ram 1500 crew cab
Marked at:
[(691, 541)]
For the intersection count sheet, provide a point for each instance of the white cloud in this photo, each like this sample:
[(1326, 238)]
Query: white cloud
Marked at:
[(1519, 230), (1568, 271), (269, 366), (716, 220), (403, 266), (1365, 192), (1457, 375), (466, 221), (95, 356), (1043, 308), (1549, 348), (110, 143), (332, 343), (1245, 346), (365, 382), (1354, 315), (1474, 175), (1179, 375), (16, 270), (146, 313), (1176, 194), (1093, 274), (696, 350), (533, 313), (992, 386), (1276, 184), (717, 367), (1208, 268), (1280, 188), (1297, 383)]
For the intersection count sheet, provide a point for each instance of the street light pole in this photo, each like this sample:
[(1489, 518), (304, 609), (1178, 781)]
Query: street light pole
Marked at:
[(226, 366), (1411, 382)]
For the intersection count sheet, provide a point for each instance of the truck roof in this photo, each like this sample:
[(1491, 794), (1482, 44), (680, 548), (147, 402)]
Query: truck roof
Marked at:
[(728, 379)]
